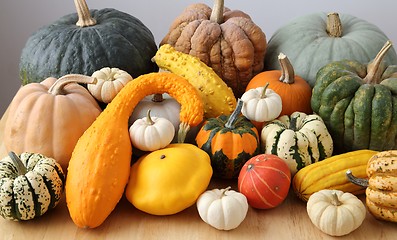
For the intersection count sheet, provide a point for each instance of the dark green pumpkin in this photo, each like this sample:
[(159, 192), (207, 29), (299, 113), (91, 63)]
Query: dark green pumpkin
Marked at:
[(74, 44), (230, 141), (358, 103)]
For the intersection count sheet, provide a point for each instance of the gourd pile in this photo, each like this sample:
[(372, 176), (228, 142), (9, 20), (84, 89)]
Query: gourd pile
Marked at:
[(214, 100)]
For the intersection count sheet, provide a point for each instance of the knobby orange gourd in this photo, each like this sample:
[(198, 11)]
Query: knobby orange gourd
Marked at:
[(100, 164)]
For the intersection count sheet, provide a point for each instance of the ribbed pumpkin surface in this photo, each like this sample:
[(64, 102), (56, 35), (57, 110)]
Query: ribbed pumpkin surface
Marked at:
[(29, 195), (265, 180)]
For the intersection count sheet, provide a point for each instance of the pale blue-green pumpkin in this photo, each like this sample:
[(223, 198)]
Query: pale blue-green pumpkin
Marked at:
[(310, 46)]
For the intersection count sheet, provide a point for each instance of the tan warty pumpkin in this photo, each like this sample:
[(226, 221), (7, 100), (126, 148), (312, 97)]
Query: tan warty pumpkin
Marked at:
[(381, 192), (228, 41)]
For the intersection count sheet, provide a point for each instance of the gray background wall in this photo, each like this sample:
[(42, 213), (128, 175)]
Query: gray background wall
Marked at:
[(20, 18)]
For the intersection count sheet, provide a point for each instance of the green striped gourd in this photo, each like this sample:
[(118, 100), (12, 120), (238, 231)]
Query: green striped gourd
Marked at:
[(30, 185), (299, 139)]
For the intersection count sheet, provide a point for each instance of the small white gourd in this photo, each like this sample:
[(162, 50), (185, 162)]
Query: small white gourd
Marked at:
[(223, 209), (261, 104), (151, 133), (109, 82), (334, 212)]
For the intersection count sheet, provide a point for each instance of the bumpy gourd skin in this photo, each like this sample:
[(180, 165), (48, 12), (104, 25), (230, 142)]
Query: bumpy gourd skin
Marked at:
[(118, 40), (100, 165), (218, 97)]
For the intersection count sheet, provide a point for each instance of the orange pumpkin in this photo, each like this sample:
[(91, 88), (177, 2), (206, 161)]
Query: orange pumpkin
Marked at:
[(49, 117), (229, 140), (294, 91)]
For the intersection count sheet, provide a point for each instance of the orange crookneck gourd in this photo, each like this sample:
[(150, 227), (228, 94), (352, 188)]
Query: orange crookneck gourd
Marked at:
[(100, 165)]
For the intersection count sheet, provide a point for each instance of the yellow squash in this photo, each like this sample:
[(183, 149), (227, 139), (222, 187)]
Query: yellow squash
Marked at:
[(218, 98), (169, 180), (100, 164), (331, 174)]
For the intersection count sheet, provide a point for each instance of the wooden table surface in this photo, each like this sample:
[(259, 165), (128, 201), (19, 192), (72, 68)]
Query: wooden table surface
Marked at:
[(287, 221)]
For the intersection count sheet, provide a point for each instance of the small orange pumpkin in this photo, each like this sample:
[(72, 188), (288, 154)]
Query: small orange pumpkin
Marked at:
[(294, 91)]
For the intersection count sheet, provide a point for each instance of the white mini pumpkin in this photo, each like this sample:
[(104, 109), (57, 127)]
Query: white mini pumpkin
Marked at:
[(261, 104), (109, 82), (223, 209), (334, 212), (151, 133)]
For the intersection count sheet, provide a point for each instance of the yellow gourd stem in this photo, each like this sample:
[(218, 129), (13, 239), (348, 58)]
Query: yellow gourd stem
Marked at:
[(287, 70), (334, 25), (373, 70), (217, 11), (83, 12), (58, 87)]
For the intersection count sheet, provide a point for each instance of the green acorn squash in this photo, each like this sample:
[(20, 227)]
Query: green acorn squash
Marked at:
[(30, 185), (311, 41), (358, 103), (87, 41), (230, 141)]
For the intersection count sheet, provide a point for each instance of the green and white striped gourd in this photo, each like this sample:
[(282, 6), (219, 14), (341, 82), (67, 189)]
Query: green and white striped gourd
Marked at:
[(30, 185), (299, 139)]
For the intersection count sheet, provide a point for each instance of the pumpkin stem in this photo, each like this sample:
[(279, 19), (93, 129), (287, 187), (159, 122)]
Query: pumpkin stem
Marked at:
[(157, 97), (362, 182), (292, 124), (233, 117), (217, 11), (334, 25), (335, 200), (21, 169), (287, 70), (85, 19), (183, 129), (149, 120), (374, 70), (58, 87), (224, 191), (263, 94)]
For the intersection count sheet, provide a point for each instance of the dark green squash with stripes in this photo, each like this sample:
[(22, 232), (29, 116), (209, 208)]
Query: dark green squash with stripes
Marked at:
[(87, 41), (230, 141), (298, 139), (30, 185), (358, 103)]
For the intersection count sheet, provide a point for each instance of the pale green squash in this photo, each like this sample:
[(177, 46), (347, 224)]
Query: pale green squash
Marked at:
[(310, 44)]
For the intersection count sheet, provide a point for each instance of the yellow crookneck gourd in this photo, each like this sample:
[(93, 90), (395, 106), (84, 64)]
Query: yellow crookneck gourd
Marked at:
[(100, 164), (218, 97)]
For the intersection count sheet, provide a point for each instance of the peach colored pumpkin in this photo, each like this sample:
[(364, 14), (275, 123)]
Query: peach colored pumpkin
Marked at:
[(49, 117)]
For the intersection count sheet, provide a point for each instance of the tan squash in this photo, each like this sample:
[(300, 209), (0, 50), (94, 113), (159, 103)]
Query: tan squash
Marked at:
[(100, 165), (49, 117)]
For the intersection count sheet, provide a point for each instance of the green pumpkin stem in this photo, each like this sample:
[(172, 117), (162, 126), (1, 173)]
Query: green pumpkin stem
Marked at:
[(334, 25), (157, 97), (149, 120), (374, 71), (58, 87), (21, 169), (234, 116), (362, 182), (182, 132), (287, 70), (263, 94), (85, 19), (217, 11)]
